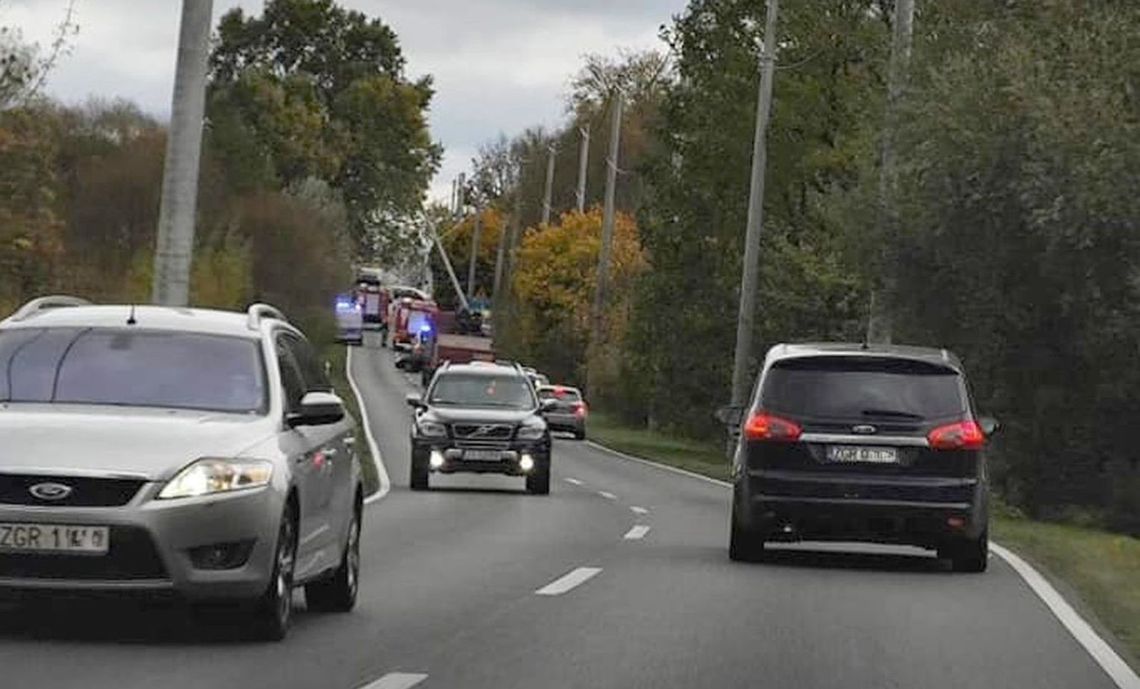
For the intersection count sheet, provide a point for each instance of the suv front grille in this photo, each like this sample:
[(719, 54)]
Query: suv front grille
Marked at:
[(132, 556), (15, 489), (477, 432)]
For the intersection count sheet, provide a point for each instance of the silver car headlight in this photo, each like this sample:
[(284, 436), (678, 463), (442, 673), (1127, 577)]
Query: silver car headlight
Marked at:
[(531, 432), (214, 475), (432, 429)]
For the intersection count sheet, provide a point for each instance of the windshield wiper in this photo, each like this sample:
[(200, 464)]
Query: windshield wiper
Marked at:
[(894, 413)]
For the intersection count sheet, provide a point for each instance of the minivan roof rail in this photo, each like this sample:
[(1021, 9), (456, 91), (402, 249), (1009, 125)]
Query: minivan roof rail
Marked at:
[(259, 312), (54, 301)]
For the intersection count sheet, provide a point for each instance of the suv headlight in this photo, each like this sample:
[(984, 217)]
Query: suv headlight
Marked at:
[(210, 475), (531, 432), (432, 429)]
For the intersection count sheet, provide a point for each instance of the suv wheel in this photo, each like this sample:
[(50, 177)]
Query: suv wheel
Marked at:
[(538, 481), (744, 545), (418, 480), (274, 610), (969, 556), (338, 592)]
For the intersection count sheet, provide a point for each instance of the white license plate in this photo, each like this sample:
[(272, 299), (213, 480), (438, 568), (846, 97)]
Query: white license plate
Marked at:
[(482, 455), (54, 538), (849, 454)]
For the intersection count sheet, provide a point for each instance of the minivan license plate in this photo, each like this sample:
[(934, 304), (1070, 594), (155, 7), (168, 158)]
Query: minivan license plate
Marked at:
[(54, 538), (849, 454)]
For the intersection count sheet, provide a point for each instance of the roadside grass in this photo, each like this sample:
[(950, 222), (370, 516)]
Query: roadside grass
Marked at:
[(336, 355), (1100, 569), (692, 455)]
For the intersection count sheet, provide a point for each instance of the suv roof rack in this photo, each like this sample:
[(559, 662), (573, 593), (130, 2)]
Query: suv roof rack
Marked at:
[(259, 312), (55, 301)]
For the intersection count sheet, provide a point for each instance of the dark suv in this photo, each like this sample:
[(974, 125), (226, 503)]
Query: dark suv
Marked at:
[(857, 443), (481, 418)]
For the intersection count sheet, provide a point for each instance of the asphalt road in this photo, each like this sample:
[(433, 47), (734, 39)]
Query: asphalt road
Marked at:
[(465, 584)]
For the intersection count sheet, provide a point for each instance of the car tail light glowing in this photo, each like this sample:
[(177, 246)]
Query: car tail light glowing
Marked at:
[(964, 435), (764, 426), (580, 410)]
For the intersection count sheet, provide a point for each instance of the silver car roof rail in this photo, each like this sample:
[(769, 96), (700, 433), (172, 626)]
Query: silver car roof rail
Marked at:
[(259, 312), (54, 301)]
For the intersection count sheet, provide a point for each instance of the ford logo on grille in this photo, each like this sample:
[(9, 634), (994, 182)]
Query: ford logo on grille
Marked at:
[(50, 491), (864, 429)]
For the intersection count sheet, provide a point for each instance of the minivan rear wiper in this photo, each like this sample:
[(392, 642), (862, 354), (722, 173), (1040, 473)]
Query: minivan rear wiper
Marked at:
[(892, 412)]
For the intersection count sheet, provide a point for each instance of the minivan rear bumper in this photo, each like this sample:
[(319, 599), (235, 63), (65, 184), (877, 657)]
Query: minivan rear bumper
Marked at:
[(921, 511)]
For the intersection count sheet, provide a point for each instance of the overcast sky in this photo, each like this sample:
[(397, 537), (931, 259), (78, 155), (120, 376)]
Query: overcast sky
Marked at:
[(499, 65)]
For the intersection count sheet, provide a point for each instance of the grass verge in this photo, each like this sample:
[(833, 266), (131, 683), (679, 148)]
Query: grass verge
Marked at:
[(692, 455), (1101, 569), (336, 355)]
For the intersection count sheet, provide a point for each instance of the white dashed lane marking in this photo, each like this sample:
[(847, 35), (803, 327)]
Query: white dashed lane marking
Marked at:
[(639, 510), (570, 581), (607, 496), (636, 533), (397, 680), (575, 481)]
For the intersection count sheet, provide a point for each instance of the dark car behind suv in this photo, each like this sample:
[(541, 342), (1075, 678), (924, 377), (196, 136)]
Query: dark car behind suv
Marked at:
[(857, 443), (482, 418)]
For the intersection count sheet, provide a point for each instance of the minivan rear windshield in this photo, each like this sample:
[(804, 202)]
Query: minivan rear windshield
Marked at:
[(863, 388), (128, 367)]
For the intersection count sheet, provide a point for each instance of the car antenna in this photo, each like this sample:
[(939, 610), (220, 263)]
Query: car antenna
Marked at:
[(131, 318)]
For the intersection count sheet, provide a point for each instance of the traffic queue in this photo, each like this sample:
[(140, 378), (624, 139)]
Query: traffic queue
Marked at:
[(425, 337)]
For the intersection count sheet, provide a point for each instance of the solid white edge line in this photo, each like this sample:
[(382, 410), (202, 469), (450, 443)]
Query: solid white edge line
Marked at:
[(569, 581), (377, 461), (397, 680), (655, 465), (1114, 666), (1119, 671), (607, 495), (636, 533)]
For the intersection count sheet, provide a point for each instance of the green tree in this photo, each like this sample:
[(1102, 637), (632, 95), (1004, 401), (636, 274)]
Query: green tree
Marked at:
[(826, 96), (309, 89)]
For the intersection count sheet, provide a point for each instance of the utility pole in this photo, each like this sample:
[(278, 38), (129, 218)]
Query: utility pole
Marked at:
[(461, 195), (476, 236), (597, 336), (454, 194), (546, 197), (174, 248), (583, 165), (447, 265), (878, 321), (751, 268)]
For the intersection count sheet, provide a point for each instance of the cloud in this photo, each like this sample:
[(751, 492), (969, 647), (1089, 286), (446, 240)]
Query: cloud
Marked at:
[(499, 65)]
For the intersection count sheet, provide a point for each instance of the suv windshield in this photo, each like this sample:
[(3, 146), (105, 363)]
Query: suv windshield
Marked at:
[(467, 390), (119, 367), (863, 388)]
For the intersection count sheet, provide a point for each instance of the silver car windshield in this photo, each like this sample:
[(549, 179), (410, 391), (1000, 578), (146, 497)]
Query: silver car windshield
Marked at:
[(121, 367)]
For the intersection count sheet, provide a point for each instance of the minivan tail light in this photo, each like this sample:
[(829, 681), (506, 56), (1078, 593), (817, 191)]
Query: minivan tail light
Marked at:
[(964, 435), (764, 426)]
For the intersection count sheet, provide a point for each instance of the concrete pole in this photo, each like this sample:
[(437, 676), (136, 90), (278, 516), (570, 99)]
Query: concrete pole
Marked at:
[(499, 258), (879, 325), (174, 248), (745, 324), (597, 337), (583, 166), (476, 237), (548, 193)]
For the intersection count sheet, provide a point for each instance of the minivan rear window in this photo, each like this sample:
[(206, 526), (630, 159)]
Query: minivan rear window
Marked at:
[(863, 388)]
